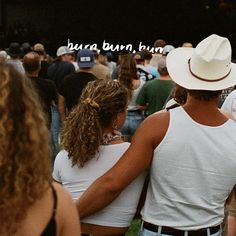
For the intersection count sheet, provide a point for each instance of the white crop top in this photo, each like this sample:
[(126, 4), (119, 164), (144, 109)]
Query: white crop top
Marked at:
[(76, 180), (192, 173)]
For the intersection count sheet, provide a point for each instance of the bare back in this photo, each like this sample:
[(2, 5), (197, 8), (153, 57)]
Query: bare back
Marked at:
[(40, 215)]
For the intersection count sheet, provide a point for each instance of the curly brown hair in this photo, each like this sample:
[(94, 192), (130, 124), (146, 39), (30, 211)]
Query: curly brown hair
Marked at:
[(100, 103), (128, 73), (24, 149)]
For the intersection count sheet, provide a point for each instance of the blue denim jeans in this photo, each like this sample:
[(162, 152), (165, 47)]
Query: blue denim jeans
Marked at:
[(55, 130), (132, 121)]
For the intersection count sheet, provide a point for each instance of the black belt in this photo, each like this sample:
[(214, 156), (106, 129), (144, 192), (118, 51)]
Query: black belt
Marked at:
[(135, 112), (177, 232), (139, 111), (91, 234)]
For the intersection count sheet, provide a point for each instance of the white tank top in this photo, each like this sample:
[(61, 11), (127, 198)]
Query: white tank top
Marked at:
[(192, 173), (132, 104), (76, 180)]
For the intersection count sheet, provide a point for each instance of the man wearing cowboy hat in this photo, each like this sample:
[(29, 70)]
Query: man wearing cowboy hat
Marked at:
[(190, 151)]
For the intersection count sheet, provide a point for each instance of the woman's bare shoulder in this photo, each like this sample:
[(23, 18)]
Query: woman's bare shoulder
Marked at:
[(67, 216)]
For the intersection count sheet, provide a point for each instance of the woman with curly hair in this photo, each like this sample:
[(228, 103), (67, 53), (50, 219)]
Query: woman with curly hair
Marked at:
[(30, 204), (128, 76), (92, 145)]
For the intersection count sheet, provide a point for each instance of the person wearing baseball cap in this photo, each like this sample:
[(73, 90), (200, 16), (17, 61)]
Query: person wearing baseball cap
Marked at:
[(73, 84), (68, 55), (167, 49), (190, 151), (56, 72), (63, 51), (61, 67), (85, 58)]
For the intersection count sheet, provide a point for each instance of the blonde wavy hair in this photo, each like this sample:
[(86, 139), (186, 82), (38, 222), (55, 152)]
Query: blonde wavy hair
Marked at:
[(100, 103), (24, 149)]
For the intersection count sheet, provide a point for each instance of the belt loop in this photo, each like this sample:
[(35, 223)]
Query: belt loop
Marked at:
[(142, 224), (208, 232), (159, 229), (185, 233)]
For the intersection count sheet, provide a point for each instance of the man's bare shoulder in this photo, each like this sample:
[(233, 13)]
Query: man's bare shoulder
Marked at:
[(157, 118), (154, 127)]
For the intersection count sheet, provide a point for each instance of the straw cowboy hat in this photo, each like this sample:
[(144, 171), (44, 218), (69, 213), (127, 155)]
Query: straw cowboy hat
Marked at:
[(206, 67)]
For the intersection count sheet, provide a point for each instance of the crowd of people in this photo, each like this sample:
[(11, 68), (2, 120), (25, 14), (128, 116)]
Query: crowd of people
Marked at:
[(89, 143)]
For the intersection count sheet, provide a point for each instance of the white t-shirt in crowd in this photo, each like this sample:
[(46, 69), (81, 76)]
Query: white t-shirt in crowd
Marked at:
[(229, 105), (77, 179)]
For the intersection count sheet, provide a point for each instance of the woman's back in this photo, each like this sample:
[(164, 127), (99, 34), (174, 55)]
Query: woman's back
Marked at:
[(54, 214), (120, 212)]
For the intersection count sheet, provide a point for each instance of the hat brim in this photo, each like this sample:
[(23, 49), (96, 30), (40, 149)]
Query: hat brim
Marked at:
[(177, 65), (86, 64), (64, 53)]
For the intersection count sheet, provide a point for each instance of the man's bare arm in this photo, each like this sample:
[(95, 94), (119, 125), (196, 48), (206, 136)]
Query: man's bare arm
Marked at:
[(135, 160)]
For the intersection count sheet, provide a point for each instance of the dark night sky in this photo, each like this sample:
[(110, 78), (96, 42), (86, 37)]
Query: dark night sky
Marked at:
[(120, 22)]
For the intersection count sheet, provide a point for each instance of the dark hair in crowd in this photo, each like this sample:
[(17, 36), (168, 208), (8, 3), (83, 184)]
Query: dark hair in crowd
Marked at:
[(31, 62), (147, 54), (204, 95), (159, 43), (127, 73), (179, 94), (163, 71)]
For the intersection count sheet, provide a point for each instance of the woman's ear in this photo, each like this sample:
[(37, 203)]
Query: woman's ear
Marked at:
[(120, 119)]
